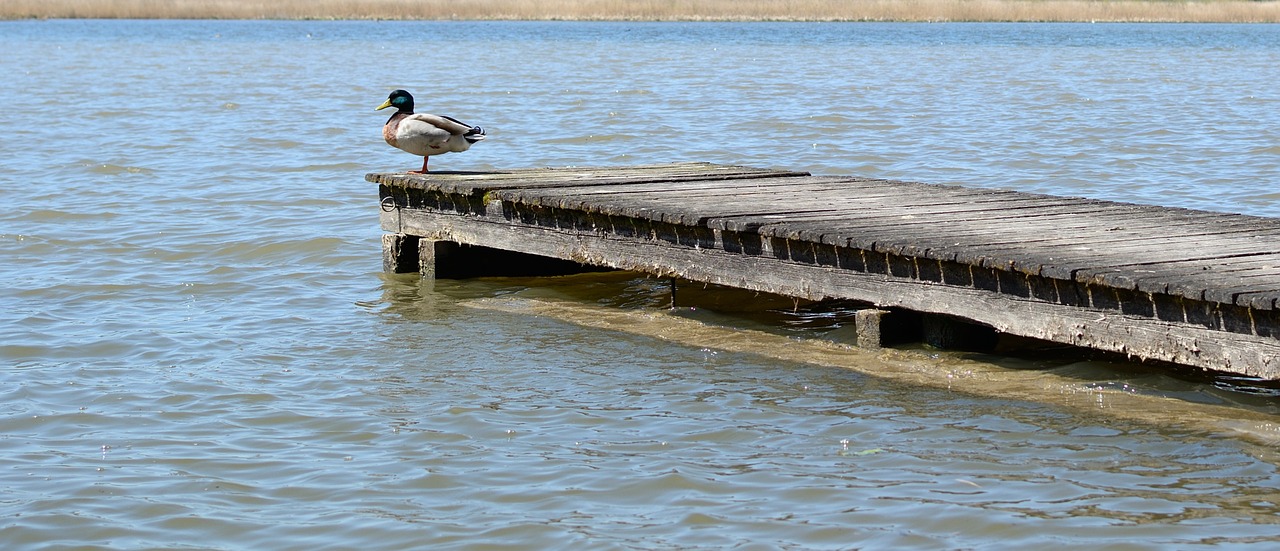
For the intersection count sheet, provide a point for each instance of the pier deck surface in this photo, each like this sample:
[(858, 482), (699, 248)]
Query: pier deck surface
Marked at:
[(1183, 286)]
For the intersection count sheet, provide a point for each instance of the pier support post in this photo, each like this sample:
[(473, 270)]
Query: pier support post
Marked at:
[(870, 326), (878, 328), (399, 253), (440, 259), (948, 333)]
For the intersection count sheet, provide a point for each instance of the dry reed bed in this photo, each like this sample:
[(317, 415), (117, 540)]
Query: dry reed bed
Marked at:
[(1228, 11)]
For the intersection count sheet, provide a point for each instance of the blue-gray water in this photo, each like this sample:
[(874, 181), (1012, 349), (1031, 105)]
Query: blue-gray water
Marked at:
[(199, 349)]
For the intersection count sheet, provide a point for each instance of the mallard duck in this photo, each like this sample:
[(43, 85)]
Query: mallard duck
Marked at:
[(423, 134)]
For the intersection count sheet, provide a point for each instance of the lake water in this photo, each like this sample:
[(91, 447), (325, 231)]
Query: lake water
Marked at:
[(200, 351)]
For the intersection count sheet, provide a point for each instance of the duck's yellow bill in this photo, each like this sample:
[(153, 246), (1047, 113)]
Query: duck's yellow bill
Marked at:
[(384, 105)]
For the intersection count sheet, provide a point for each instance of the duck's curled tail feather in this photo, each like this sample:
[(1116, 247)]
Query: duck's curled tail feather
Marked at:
[(472, 136)]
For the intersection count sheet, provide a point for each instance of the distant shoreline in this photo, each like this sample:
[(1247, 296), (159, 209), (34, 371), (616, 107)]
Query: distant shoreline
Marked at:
[(1207, 11)]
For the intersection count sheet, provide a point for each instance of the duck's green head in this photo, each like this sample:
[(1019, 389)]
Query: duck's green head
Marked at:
[(399, 99)]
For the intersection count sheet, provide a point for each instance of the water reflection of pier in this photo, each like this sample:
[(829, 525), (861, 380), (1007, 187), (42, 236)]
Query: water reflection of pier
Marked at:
[(1173, 285)]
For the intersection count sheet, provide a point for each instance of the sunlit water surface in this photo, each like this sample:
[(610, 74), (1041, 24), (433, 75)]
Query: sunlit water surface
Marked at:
[(199, 349)]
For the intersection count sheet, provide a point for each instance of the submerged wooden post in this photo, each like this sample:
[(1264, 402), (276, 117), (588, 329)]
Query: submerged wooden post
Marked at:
[(439, 259), (399, 253), (950, 333), (870, 325), (878, 328)]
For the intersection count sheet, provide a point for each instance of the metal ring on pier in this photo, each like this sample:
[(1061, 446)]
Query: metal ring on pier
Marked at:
[(389, 204)]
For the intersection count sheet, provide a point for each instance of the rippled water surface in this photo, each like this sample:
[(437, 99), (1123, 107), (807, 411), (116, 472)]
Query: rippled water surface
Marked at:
[(199, 349)]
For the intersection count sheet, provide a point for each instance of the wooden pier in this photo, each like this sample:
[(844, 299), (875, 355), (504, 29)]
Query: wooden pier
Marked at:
[(1172, 285)]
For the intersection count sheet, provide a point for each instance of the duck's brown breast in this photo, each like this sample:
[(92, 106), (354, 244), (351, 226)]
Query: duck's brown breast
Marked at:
[(389, 130)]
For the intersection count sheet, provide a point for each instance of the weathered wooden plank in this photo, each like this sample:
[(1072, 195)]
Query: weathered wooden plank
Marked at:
[(748, 211), (1191, 278), (1117, 249), (764, 184), (993, 217), (1102, 226), (1006, 216), (743, 213), (1059, 255), (1262, 301), (479, 182), (809, 192), (1010, 250), (665, 193), (838, 219), (1008, 226)]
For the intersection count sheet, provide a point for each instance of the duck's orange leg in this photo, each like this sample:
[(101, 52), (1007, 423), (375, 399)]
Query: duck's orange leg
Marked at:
[(424, 167)]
